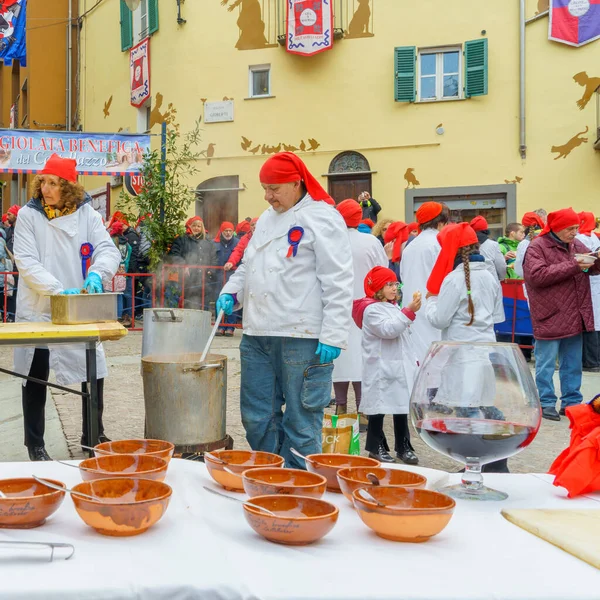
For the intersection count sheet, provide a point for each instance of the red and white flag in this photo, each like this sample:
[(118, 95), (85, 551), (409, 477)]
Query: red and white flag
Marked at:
[(139, 65), (309, 26)]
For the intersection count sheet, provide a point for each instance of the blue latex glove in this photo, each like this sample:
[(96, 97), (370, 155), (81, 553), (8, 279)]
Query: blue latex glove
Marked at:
[(327, 353), (225, 304), (93, 284), (71, 291)]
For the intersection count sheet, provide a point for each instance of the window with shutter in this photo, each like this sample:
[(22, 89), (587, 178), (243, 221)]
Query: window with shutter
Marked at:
[(476, 68), (152, 16), (126, 27), (405, 58)]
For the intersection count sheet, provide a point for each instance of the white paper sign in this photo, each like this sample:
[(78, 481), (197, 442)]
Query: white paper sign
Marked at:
[(218, 112)]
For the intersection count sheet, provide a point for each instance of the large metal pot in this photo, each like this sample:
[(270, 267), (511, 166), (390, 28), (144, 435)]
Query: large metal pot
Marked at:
[(186, 400)]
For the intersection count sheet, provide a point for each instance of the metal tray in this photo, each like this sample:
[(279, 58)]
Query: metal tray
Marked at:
[(77, 309)]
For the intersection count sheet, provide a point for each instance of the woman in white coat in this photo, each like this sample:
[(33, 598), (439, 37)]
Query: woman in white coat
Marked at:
[(367, 253), (389, 362), (591, 339), (53, 231)]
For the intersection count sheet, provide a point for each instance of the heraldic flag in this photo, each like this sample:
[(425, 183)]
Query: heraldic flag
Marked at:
[(12, 31), (574, 22), (309, 26)]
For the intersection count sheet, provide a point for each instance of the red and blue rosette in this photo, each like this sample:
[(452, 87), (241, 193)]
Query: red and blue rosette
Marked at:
[(86, 252), (295, 234)]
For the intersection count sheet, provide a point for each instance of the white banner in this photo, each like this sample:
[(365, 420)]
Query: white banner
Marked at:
[(309, 26)]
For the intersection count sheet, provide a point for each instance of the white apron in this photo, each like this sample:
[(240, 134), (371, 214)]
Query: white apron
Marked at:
[(593, 243)]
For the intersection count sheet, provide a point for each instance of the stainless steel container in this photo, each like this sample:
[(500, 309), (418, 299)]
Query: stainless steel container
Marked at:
[(77, 309), (185, 400)]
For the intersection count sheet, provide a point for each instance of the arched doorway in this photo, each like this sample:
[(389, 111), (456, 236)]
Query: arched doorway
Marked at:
[(217, 201), (349, 175)]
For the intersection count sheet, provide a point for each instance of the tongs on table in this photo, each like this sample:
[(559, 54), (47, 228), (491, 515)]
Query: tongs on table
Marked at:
[(32, 549)]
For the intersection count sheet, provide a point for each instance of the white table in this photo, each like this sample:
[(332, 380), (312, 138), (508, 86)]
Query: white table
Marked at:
[(203, 548)]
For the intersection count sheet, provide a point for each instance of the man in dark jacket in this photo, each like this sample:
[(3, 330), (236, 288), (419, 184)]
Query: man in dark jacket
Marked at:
[(560, 301), (11, 216), (370, 206)]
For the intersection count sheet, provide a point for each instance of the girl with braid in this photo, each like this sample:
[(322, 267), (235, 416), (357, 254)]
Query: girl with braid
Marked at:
[(464, 301)]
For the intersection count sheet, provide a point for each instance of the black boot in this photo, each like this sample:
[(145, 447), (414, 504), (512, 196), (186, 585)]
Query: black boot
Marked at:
[(406, 454), (382, 454), (38, 453), (84, 410)]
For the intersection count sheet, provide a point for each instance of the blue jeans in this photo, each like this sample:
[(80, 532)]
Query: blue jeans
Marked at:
[(569, 352), (127, 295), (119, 306), (278, 371)]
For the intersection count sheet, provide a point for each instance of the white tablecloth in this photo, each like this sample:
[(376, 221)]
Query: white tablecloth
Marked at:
[(203, 548)]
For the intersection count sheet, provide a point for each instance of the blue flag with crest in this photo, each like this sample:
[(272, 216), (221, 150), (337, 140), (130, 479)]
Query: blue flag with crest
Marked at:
[(13, 31)]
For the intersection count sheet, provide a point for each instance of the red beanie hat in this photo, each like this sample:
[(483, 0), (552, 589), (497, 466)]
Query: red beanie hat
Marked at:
[(479, 224), (351, 211), (14, 210), (368, 223), (5, 218), (61, 167), (561, 219), (398, 233), (188, 223), (285, 167), (376, 279), (451, 238), (243, 227), (117, 228), (531, 219), (117, 216), (587, 223), (428, 211), (412, 226), (224, 225)]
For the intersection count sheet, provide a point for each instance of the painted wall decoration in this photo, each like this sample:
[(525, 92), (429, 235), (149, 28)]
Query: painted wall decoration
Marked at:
[(250, 23), (361, 21), (106, 109), (574, 22), (566, 149), (157, 116), (208, 153), (309, 26), (410, 178), (247, 145), (591, 84), (517, 179)]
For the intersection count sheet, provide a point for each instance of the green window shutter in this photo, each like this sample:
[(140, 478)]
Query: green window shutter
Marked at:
[(126, 27), (405, 62), (152, 16), (476, 68)]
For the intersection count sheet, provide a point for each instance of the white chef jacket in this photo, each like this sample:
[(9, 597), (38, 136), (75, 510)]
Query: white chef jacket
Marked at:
[(593, 244), (416, 265), (47, 253), (367, 252), (490, 250), (308, 295)]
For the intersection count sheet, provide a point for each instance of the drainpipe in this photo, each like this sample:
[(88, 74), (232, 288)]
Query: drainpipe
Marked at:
[(522, 137), (69, 66)]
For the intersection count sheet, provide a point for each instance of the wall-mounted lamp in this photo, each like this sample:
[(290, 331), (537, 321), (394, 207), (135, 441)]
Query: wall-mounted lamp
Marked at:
[(180, 20), (132, 4)]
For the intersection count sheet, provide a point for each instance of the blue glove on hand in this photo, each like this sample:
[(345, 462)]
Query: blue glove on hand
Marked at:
[(327, 353), (225, 304), (71, 291), (93, 284)]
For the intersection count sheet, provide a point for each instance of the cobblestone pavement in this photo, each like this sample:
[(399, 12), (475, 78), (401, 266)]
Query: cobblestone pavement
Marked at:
[(124, 408)]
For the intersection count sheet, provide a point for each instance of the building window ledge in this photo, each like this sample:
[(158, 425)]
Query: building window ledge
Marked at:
[(437, 101), (259, 97)]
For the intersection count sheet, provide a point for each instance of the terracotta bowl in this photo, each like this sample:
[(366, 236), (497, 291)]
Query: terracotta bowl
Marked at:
[(29, 503), (352, 478), (328, 465), (410, 515), (142, 466), (124, 507), (158, 448), (300, 521), (294, 482), (238, 461)]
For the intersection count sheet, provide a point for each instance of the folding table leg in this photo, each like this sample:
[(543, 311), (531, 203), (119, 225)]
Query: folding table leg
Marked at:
[(92, 398)]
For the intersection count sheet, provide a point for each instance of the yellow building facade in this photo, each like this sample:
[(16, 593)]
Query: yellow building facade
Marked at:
[(339, 110)]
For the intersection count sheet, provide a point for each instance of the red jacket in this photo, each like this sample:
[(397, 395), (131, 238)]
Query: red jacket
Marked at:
[(238, 251), (559, 291)]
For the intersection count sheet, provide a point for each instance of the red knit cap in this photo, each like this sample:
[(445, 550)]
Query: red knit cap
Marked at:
[(224, 225), (376, 279), (531, 219), (413, 226), (14, 210), (587, 223), (451, 238), (188, 224), (398, 233), (351, 211), (5, 218), (285, 167), (428, 211), (117, 228), (479, 223), (243, 227), (368, 223), (117, 216), (61, 167), (561, 219)]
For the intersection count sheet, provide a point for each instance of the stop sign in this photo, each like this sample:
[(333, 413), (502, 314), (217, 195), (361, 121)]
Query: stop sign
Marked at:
[(134, 183)]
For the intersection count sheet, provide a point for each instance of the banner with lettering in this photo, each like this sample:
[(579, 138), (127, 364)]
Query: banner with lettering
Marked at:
[(309, 26), (13, 31), (574, 22), (139, 67), (26, 151)]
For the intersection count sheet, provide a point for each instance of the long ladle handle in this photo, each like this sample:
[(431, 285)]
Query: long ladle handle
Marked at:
[(211, 337), (305, 458), (64, 489), (246, 502)]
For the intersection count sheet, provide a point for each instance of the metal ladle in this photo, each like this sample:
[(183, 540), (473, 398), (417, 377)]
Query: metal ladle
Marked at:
[(65, 489), (373, 479), (246, 502), (366, 496), (3, 495), (305, 458)]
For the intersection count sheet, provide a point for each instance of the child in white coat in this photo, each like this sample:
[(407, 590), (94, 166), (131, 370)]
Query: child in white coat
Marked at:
[(464, 301), (389, 363)]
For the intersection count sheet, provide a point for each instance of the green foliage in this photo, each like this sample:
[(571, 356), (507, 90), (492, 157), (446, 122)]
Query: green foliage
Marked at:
[(175, 196)]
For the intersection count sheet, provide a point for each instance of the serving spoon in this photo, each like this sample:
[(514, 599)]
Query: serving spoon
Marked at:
[(65, 489), (373, 479), (366, 496), (296, 453), (3, 495), (246, 502)]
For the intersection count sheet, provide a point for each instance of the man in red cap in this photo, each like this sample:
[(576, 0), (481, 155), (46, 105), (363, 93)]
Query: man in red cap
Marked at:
[(558, 285), (417, 262), (296, 286), (489, 248)]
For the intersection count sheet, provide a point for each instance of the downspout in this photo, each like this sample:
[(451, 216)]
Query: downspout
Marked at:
[(522, 124), (69, 66)]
